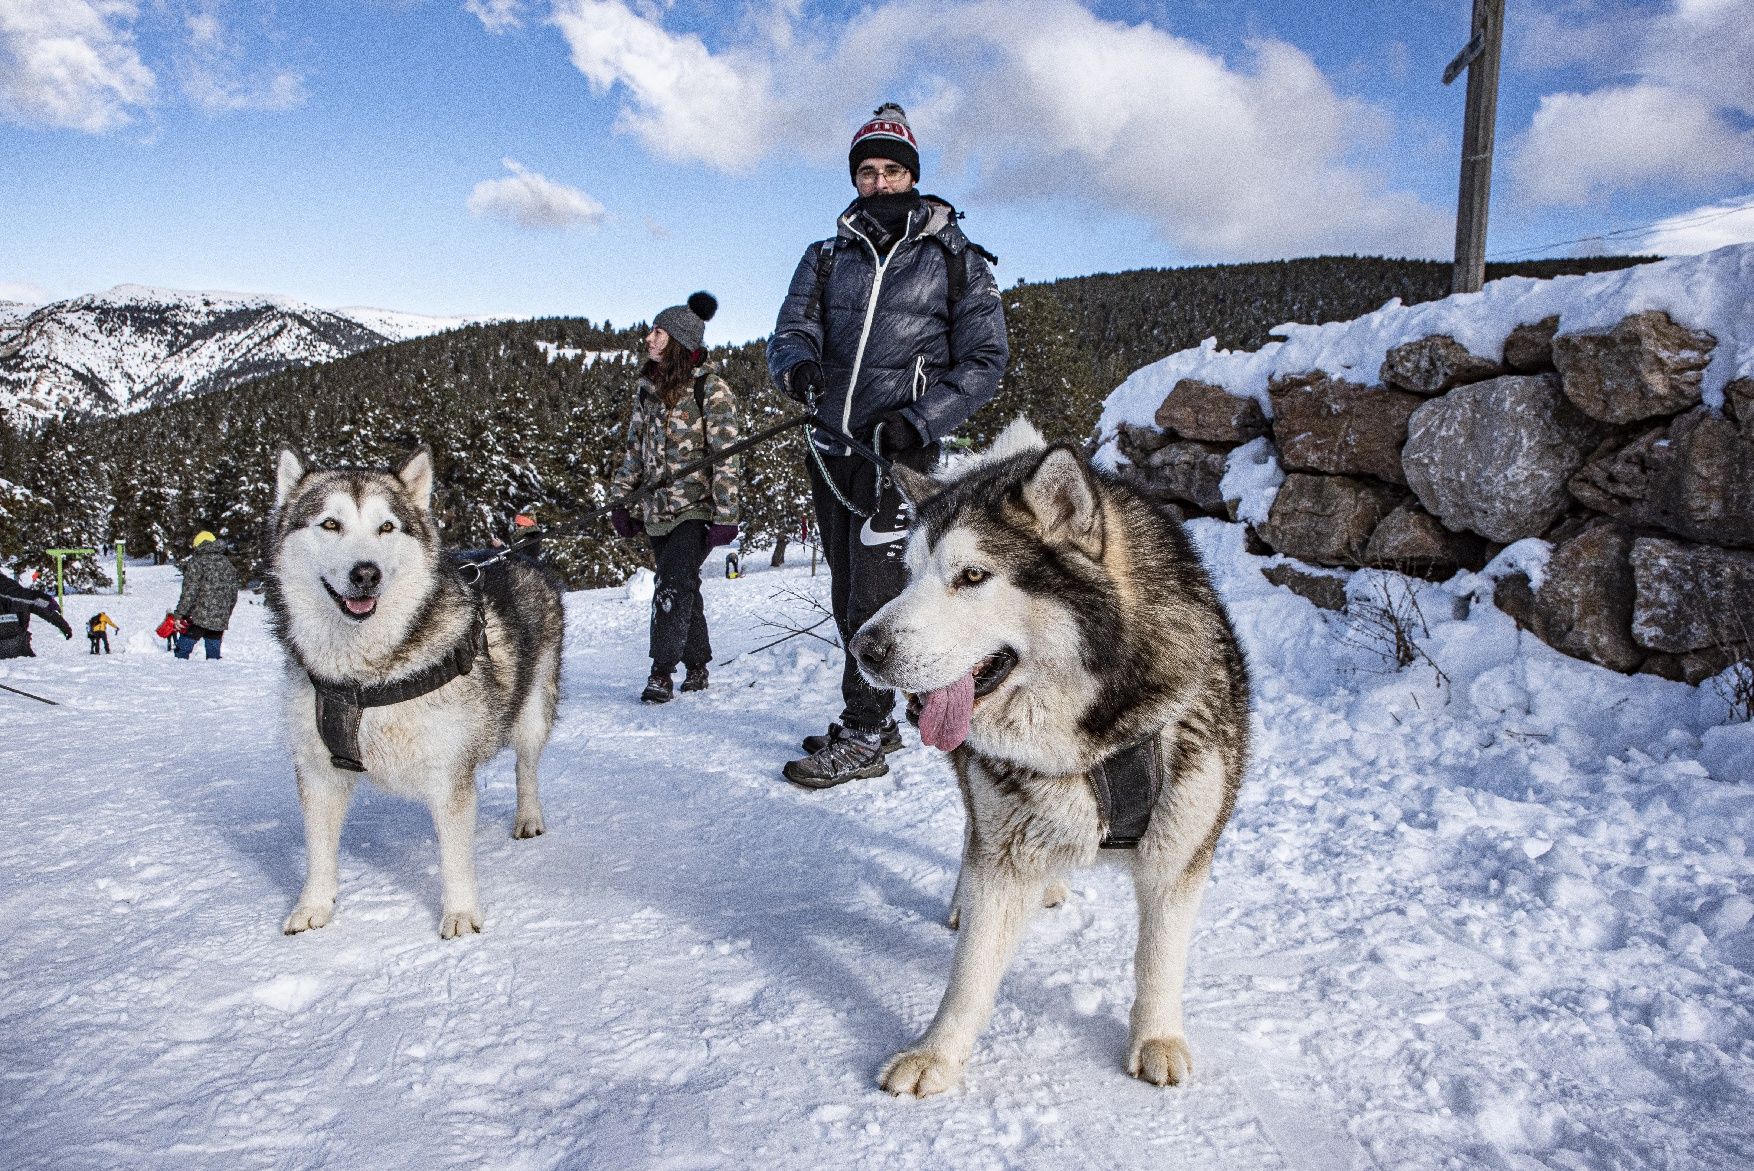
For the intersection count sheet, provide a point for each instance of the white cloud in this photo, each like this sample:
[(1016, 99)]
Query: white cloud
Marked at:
[(71, 64), (217, 76), (497, 15), (684, 102), (1037, 97), (1715, 225), (26, 292), (1677, 90), (531, 200), (1583, 145)]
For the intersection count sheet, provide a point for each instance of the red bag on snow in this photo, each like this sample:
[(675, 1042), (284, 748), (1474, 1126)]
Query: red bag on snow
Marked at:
[(171, 625)]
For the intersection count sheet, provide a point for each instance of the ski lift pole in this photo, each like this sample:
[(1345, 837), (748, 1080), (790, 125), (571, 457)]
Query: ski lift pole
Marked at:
[(58, 554)]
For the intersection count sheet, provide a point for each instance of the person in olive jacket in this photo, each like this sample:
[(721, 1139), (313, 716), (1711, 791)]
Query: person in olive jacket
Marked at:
[(894, 332), (210, 592)]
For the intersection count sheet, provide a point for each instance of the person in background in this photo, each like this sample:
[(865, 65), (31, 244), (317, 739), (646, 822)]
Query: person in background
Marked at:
[(18, 605), (210, 593), (893, 330), (681, 410), (97, 629)]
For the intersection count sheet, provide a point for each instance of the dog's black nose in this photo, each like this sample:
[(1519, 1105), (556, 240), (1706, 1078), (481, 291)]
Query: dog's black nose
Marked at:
[(365, 577), (872, 647)]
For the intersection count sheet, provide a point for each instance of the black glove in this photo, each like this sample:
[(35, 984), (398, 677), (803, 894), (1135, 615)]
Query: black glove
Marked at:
[(804, 382), (896, 434), (53, 617)]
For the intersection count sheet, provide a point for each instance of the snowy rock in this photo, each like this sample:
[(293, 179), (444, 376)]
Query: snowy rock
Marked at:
[(1435, 364), (1324, 424), (1411, 540), (1493, 457), (1186, 471), (1252, 476), (1327, 519), (1200, 410), (1739, 403), (1584, 607), (1327, 591), (1694, 478), (1641, 368), (1528, 349), (1690, 597), (1137, 443)]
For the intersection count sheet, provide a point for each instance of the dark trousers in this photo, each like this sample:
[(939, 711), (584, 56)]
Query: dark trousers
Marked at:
[(678, 614), (103, 638), (864, 562)]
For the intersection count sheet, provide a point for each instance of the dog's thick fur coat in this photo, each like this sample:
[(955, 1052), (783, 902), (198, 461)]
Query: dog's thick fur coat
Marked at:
[(1087, 623), (361, 595)]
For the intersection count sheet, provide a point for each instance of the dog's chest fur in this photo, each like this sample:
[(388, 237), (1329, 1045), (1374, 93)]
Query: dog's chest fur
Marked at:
[(1027, 820)]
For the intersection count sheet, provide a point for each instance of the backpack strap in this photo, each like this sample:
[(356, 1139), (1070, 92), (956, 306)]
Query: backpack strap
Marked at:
[(818, 308)]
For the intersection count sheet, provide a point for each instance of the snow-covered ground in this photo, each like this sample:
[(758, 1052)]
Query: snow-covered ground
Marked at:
[(1499, 922)]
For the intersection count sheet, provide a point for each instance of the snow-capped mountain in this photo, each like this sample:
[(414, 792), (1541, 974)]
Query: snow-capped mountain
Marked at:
[(132, 347)]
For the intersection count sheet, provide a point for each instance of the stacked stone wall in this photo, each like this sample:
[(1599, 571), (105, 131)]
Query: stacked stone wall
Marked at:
[(1596, 442)]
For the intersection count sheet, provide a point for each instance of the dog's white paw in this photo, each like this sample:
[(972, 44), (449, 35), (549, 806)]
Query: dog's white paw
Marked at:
[(307, 916), (529, 826), (457, 923), (920, 1072), (1055, 895), (1162, 1061)]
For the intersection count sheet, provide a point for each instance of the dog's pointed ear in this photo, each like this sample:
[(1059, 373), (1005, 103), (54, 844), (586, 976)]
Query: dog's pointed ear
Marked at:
[(1064, 500), (416, 475), (289, 469), (915, 487)]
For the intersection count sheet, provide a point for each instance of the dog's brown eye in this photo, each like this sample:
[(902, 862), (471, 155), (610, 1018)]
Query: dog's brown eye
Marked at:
[(331, 525), (387, 527), (973, 575)]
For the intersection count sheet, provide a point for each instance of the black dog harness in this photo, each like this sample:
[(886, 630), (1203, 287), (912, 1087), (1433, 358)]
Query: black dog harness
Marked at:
[(1127, 785), (339, 706)]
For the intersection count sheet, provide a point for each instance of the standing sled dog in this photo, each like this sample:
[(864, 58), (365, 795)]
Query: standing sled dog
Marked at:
[(398, 670), (1061, 639)]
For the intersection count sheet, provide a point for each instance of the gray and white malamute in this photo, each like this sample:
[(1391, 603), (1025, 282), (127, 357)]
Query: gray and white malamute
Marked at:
[(1060, 638), (401, 671)]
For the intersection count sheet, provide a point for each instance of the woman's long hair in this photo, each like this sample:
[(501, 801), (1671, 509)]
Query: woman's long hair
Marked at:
[(671, 372)]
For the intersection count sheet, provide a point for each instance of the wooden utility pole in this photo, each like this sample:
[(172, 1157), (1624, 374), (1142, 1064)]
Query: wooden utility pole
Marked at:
[(1480, 59)]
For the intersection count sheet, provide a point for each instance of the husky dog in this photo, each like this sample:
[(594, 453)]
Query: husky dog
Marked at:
[(1054, 623), (399, 670)]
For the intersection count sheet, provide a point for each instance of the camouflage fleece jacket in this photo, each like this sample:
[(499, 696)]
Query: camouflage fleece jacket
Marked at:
[(660, 440), (210, 588)]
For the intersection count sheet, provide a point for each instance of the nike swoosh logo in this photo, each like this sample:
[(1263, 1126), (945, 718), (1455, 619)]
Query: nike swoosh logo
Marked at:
[(870, 536)]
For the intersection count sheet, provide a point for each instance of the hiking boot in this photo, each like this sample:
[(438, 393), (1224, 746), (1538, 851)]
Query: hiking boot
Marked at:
[(659, 689), (890, 733), (847, 759), (695, 680)]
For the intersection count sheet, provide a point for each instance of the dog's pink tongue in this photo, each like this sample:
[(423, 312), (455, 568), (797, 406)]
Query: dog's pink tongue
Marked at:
[(360, 605), (944, 719)]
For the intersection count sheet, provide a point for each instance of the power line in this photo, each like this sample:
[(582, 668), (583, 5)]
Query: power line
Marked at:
[(1688, 221)]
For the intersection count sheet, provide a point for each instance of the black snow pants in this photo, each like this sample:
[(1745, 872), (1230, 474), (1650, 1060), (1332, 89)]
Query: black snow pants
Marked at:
[(865, 562), (678, 614)]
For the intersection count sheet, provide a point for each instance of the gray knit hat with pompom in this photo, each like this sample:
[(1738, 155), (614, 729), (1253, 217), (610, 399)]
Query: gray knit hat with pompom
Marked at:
[(687, 323)]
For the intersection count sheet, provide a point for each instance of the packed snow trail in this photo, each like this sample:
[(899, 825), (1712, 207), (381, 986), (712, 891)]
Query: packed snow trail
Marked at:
[(1503, 923)]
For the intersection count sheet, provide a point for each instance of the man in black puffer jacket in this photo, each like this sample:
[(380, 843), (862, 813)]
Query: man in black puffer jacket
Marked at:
[(893, 331)]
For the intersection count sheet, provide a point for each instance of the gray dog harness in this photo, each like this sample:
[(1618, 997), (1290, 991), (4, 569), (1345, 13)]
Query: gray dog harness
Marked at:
[(1127, 784), (339, 706)]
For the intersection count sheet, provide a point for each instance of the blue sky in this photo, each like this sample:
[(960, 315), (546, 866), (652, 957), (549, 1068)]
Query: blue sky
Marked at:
[(606, 157)]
